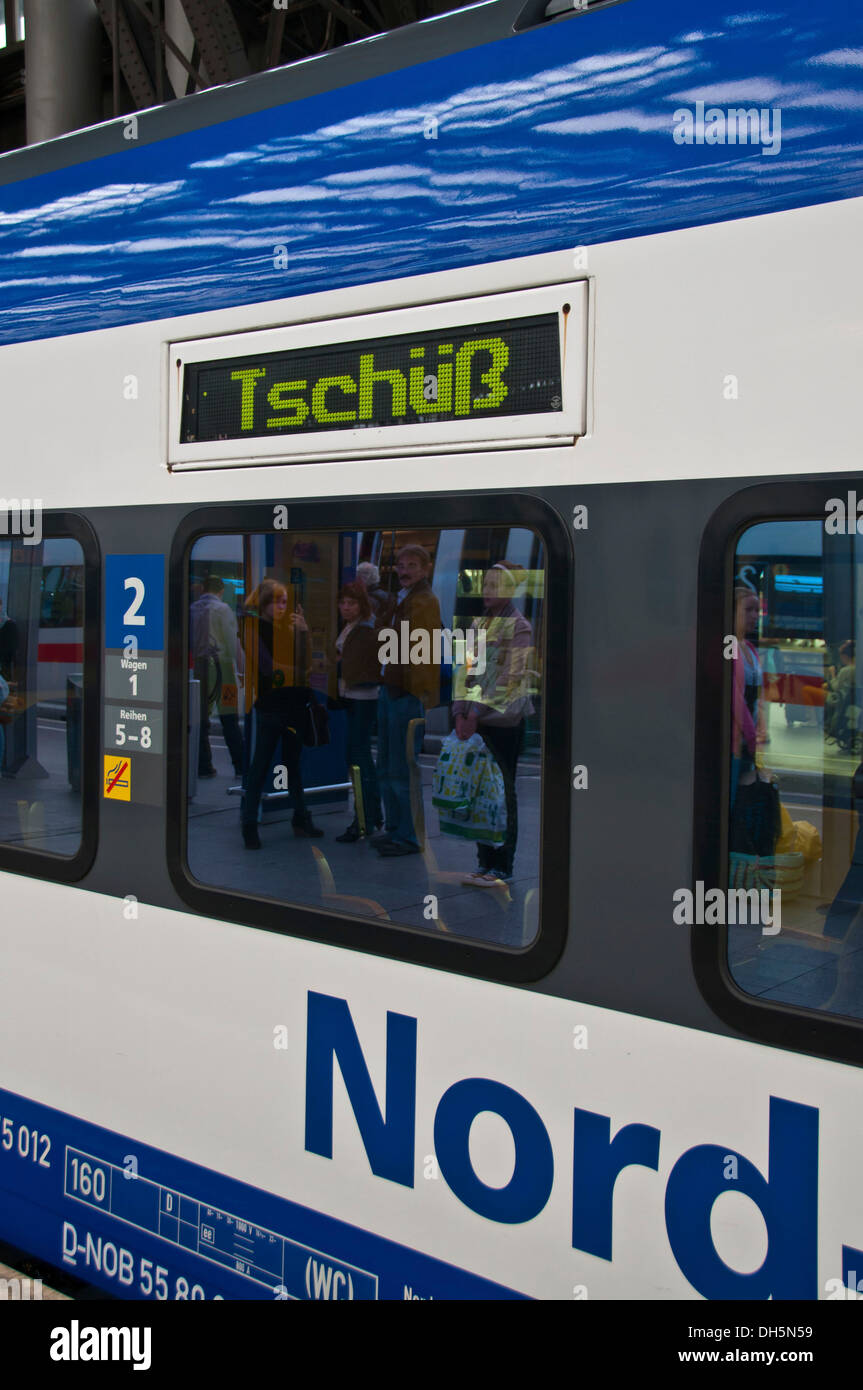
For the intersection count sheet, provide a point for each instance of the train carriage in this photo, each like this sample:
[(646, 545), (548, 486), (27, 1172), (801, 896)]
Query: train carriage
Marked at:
[(568, 298)]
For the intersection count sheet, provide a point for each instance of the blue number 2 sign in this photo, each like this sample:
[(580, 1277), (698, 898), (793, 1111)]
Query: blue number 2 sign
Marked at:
[(135, 601)]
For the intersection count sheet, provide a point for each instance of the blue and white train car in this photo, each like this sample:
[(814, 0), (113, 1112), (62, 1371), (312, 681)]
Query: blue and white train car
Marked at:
[(572, 299)]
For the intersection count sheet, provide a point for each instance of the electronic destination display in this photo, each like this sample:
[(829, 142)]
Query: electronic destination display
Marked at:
[(472, 372)]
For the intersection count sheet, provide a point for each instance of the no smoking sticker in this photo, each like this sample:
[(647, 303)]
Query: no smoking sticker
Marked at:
[(117, 778)]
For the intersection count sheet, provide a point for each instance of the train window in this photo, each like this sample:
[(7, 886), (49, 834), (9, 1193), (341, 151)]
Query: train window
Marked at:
[(367, 723), (795, 828), (47, 622)]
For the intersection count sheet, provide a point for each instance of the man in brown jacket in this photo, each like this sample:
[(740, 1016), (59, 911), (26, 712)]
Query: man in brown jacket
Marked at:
[(409, 688)]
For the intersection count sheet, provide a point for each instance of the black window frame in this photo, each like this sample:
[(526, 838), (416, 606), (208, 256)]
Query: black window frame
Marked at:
[(40, 863), (790, 1026), (393, 940)]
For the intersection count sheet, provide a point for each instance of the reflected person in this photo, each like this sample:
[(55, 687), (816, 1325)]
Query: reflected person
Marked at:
[(841, 712), (8, 654), (748, 678), (409, 688), (846, 904), (359, 685), (495, 702), (4, 719), (382, 603), (755, 820), (278, 666), (8, 644), (218, 662)]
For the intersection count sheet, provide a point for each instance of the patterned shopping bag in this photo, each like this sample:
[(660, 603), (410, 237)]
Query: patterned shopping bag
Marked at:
[(468, 791)]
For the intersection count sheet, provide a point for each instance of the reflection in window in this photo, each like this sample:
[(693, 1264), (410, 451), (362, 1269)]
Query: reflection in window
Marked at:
[(796, 817), (11, 22), (365, 724), (41, 693)]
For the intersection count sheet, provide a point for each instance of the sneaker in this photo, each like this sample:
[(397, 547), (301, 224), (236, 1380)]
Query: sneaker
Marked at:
[(384, 838), (306, 829), (396, 848), (487, 879), (349, 836)]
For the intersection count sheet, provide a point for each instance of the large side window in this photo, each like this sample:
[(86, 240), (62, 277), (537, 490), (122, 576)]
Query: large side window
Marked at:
[(366, 732), (796, 777), (48, 578)]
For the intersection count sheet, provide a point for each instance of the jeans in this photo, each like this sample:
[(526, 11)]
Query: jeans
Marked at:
[(361, 721), (208, 671), (505, 744), (393, 770), (234, 740), (204, 675), (269, 731)]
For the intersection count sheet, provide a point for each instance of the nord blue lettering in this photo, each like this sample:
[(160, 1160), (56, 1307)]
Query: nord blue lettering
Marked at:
[(597, 1162), (529, 1188), (389, 1143), (788, 1201)]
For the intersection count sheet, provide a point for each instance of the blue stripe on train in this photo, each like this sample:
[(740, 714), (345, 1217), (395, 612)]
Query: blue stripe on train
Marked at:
[(555, 138), (142, 1223)]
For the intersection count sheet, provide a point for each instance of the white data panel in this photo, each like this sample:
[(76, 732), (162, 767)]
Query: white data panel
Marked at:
[(496, 371)]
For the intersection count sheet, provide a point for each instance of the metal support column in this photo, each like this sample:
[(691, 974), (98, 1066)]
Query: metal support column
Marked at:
[(64, 67), (10, 19)]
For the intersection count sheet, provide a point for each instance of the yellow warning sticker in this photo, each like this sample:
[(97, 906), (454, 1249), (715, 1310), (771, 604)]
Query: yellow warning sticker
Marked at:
[(117, 785)]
